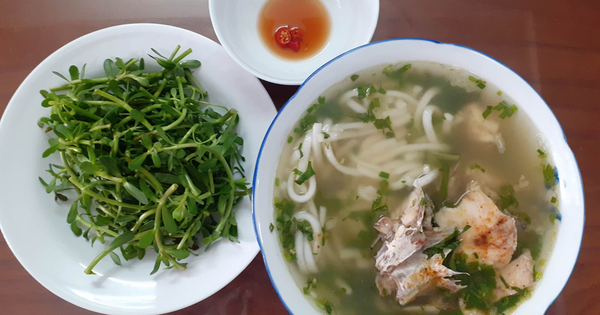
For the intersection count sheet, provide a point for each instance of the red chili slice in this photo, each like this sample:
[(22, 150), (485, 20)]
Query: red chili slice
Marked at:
[(283, 36), (296, 34), (294, 45)]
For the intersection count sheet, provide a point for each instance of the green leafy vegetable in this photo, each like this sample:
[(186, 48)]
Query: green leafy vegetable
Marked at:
[(549, 176), (306, 175), (152, 162), (542, 154), (507, 197), (480, 83), (451, 242), (477, 167), (479, 282)]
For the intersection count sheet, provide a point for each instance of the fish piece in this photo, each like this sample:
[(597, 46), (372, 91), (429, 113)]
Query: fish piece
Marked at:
[(396, 249), (417, 210), (477, 128), (417, 271), (493, 234), (517, 274)]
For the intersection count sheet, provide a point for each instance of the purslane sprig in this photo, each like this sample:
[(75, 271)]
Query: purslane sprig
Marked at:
[(151, 162)]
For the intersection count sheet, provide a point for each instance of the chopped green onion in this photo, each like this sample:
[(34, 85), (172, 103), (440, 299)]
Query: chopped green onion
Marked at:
[(306, 175), (553, 200), (541, 153), (354, 77), (487, 112), (384, 175), (276, 182), (290, 139), (271, 227)]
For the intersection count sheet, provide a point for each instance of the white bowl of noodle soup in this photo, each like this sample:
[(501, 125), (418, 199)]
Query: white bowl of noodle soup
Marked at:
[(569, 232)]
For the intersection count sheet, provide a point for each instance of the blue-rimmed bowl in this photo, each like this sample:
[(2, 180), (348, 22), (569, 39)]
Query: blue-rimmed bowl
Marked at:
[(570, 232)]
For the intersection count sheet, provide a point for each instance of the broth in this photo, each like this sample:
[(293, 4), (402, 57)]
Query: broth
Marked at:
[(503, 153)]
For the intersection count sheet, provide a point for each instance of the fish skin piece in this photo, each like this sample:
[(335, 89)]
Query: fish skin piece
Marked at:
[(493, 234)]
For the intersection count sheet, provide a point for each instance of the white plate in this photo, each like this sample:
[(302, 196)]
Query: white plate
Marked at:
[(34, 225), (235, 22)]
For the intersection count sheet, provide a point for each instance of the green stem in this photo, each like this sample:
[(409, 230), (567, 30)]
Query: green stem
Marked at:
[(158, 217), (183, 55), (102, 198), (95, 227), (142, 218)]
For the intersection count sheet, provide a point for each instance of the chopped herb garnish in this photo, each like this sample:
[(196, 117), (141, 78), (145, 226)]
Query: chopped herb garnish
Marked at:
[(378, 205), (306, 175), (307, 122), (507, 197), (310, 284), (306, 229), (506, 111), (553, 200), (298, 130), (487, 112), (382, 90), (542, 154), (271, 227), (477, 167), (396, 74), (480, 83), (354, 77), (384, 175), (549, 177), (504, 282), (451, 242), (383, 124), (403, 181), (290, 139), (511, 301), (499, 93), (479, 282), (362, 92), (475, 255), (326, 135), (286, 225), (276, 182), (300, 150)]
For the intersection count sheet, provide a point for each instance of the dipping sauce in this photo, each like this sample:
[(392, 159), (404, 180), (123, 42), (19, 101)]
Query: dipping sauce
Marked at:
[(307, 17)]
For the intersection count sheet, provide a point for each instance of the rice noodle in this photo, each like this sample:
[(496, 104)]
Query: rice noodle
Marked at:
[(312, 208), (322, 215), (299, 248), (312, 189), (316, 226), (421, 106), (309, 259), (447, 124), (428, 123), (406, 97), (426, 179), (316, 144), (344, 169)]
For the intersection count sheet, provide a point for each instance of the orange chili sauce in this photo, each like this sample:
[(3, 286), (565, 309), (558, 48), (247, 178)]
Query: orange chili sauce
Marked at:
[(310, 16)]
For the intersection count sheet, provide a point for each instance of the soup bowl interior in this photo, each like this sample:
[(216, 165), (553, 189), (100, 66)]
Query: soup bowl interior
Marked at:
[(570, 230)]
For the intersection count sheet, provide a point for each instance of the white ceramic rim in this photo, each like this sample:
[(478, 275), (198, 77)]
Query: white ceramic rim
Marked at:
[(12, 106), (264, 76), (560, 147)]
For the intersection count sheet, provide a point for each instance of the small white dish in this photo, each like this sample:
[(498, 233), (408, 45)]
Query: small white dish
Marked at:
[(236, 25), (570, 232), (34, 224)]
